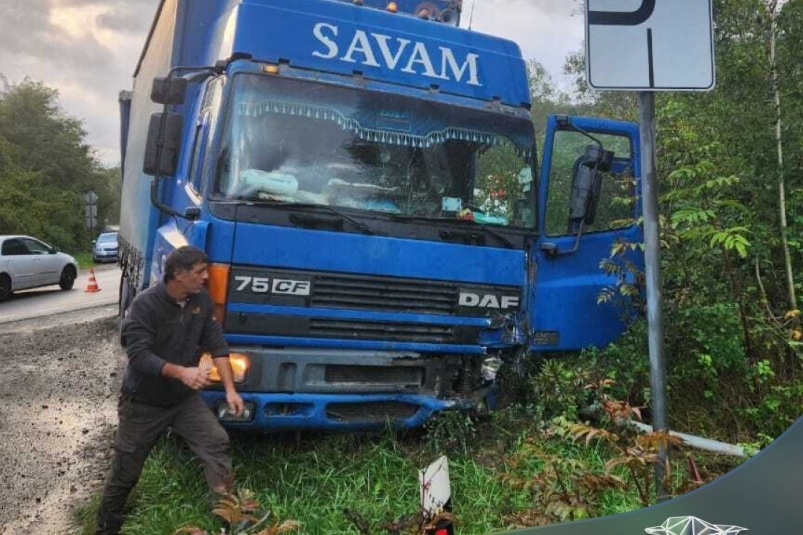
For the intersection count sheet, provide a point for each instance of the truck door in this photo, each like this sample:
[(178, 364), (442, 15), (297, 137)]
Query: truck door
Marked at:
[(567, 309)]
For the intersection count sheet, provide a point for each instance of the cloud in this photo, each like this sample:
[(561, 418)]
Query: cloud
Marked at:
[(88, 49), (128, 20), (546, 30)]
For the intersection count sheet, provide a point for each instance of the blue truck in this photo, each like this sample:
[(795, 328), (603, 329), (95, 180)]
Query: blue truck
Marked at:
[(365, 179)]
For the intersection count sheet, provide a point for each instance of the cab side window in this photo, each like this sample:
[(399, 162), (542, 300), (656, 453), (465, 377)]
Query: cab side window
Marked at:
[(209, 107), (615, 209)]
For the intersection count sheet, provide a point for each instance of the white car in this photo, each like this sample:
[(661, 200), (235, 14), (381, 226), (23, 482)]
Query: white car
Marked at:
[(26, 262)]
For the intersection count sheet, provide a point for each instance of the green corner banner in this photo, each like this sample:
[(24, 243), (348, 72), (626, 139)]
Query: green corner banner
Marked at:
[(763, 496)]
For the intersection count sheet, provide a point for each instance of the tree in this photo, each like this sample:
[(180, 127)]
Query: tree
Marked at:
[(46, 168)]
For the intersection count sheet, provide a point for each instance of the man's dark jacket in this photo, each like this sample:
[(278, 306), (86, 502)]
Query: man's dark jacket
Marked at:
[(158, 330)]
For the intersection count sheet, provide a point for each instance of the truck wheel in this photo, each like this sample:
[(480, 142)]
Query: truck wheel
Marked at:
[(67, 279), (124, 303), (5, 287)]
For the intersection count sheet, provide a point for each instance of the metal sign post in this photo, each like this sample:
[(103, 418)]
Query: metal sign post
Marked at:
[(91, 210), (647, 46), (652, 275)]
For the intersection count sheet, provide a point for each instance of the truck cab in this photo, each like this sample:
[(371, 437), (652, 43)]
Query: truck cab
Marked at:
[(365, 180)]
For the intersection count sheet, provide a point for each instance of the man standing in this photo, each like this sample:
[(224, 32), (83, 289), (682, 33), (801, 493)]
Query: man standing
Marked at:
[(168, 328)]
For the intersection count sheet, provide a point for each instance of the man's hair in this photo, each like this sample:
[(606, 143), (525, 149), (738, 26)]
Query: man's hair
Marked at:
[(184, 259)]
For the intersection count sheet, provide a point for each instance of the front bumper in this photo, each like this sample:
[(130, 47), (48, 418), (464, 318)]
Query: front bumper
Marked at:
[(333, 412), (104, 256), (315, 388)]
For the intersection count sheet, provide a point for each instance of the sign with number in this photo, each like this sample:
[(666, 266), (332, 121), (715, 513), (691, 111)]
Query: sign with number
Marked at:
[(650, 45)]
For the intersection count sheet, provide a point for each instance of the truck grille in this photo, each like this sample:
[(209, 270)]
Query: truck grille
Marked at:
[(379, 375), (348, 291), (349, 329), (383, 294), (397, 332)]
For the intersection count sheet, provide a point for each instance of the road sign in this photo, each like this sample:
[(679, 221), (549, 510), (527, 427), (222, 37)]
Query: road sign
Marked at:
[(90, 209), (650, 45), (91, 216)]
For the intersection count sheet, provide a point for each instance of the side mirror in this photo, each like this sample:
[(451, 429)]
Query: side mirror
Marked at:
[(585, 193), (587, 184), (172, 90), (165, 161)]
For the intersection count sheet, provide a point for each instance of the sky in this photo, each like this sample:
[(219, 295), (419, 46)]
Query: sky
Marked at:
[(88, 49)]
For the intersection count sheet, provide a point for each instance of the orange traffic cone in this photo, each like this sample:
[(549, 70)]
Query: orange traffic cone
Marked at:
[(92, 286)]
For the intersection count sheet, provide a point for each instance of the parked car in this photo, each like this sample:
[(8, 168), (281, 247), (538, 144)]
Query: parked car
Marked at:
[(26, 262), (105, 248)]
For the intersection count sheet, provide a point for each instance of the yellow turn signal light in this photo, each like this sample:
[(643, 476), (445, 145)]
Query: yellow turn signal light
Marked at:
[(392, 7), (218, 286), (239, 367)]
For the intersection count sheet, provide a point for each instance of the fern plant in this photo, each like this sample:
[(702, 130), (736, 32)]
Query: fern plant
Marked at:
[(242, 513)]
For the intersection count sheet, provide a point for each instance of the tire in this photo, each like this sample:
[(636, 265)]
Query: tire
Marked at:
[(5, 287), (124, 303), (67, 280)]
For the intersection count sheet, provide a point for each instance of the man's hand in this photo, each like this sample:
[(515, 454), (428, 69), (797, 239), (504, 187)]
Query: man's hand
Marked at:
[(235, 402), (195, 378)]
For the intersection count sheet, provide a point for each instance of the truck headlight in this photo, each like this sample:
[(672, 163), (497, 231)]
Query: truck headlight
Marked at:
[(239, 367)]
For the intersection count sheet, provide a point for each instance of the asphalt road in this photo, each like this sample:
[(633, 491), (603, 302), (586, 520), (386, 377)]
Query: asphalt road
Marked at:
[(51, 300), (59, 378)]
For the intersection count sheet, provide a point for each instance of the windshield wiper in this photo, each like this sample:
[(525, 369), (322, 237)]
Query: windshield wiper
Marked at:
[(317, 221), (499, 236), (356, 223), (473, 236), (476, 236)]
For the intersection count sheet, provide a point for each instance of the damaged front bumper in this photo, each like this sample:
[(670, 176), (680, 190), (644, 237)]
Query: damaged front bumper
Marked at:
[(351, 389)]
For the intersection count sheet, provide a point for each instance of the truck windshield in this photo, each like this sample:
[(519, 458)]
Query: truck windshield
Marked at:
[(304, 143)]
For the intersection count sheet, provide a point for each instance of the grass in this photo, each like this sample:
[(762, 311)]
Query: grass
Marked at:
[(84, 260), (312, 478)]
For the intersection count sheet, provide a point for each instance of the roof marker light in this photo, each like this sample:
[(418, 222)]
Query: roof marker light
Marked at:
[(392, 7)]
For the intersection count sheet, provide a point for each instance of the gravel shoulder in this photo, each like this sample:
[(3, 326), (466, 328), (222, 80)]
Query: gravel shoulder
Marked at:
[(59, 378)]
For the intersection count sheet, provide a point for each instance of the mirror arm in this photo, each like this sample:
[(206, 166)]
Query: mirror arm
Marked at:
[(566, 122), (165, 209), (551, 250)]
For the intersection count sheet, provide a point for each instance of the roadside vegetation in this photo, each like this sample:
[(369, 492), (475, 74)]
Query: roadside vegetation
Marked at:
[(84, 260), (513, 467), (46, 168)]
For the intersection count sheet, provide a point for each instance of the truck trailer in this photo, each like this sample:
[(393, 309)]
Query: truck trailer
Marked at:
[(364, 177)]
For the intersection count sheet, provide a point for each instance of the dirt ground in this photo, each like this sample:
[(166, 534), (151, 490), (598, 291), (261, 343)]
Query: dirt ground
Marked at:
[(59, 379)]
